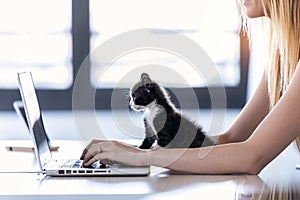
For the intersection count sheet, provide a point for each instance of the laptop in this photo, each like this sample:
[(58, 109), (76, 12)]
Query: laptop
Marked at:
[(19, 108), (65, 167)]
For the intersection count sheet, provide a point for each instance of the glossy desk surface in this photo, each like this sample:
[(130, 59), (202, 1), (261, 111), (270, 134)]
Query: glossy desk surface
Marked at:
[(279, 180)]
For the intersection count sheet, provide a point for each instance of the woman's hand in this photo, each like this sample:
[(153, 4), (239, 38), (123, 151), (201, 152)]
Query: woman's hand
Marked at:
[(113, 151)]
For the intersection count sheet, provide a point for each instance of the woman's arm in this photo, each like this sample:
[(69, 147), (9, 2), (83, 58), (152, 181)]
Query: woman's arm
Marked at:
[(252, 114), (277, 130)]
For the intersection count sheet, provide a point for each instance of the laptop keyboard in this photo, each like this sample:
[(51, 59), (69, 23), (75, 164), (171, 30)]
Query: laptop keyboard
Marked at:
[(73, 164), (78, 164)]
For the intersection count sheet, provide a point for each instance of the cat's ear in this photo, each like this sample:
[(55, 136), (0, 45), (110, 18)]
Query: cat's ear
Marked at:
[(145, 78)]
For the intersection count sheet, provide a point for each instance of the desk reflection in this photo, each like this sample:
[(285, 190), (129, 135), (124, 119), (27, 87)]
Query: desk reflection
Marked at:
[(240, 187)]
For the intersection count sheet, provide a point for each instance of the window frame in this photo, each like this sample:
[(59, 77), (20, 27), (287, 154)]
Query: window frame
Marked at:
[(62, 99)]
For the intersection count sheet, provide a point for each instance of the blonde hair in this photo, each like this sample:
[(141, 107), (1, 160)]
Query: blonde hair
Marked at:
[(284, 46)]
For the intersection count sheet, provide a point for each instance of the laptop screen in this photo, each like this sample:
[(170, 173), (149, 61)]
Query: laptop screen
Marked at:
[(34, 117)]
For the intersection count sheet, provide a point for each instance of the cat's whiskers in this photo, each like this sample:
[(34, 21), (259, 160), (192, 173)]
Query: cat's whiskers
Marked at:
[(127, 96), (126, 93)]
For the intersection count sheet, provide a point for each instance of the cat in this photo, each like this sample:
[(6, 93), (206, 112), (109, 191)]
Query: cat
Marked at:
[(163, 122)]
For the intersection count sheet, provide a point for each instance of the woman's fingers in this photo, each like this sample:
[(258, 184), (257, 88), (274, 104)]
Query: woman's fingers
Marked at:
[(112, 152), (86, 149), (94, 158), (94, 151)]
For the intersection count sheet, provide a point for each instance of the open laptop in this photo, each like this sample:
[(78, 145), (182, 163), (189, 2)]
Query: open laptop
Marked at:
[(19, 108), (68, 167)]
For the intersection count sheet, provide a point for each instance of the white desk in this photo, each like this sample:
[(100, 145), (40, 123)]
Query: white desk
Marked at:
[(279, 179)]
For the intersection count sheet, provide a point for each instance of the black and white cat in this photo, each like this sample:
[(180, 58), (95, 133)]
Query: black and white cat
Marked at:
[(163, 122)]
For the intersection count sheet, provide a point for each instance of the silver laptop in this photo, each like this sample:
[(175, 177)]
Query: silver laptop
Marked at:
[(69, 167), (19, 108)]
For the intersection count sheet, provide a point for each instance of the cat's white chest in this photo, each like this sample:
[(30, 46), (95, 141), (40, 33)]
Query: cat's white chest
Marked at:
[(150, 115)]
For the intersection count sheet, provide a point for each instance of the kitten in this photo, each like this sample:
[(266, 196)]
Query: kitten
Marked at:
[(163, 122)]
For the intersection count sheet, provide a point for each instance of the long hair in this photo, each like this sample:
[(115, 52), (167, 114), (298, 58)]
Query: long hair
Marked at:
[(284, 46)]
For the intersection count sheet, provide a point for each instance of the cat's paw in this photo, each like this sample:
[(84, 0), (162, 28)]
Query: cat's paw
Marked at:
[(156, 147), (145, 146)]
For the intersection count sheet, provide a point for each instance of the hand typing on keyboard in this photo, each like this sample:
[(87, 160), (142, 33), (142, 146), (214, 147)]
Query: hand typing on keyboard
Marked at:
[(95, 165)]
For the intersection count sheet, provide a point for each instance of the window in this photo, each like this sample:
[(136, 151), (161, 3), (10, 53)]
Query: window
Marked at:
[(216, 32), (57, 36), (36, 36)]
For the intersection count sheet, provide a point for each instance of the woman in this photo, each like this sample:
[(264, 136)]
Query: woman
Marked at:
[(265, 127)]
